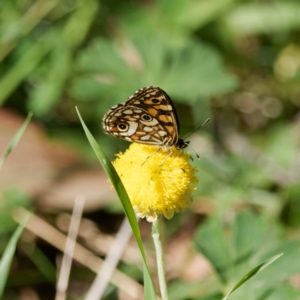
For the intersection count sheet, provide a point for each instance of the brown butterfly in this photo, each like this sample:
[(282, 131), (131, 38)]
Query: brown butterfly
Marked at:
[(147, 117)]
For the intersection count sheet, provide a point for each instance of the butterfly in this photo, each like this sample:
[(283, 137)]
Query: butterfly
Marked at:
[(146, 117)]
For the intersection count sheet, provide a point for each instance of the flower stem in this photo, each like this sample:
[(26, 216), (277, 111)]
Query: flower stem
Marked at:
[(159, 259)]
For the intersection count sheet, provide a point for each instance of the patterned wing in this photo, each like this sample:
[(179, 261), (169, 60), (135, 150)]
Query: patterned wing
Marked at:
[(147, 117), (134, 125), (158, 104)]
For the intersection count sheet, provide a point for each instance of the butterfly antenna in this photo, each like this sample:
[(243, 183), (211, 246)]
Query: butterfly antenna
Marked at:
[(197, 155), (206, 121)]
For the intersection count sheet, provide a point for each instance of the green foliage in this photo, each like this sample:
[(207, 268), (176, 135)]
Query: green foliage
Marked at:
[(190, 72), (257, 18), (10, 200), (237, 62), (291, 210), (253, 272), (54, 40), (248, 241), (43, 264), (204, 290), (7, 257), (176, 20), (15, 140)]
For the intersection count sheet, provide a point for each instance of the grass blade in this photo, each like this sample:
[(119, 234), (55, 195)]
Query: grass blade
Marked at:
[(117, 183), (15, 140), (8, 255), (252, 273)]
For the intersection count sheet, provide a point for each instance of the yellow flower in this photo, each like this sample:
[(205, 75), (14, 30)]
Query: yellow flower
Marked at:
[(157, 184)]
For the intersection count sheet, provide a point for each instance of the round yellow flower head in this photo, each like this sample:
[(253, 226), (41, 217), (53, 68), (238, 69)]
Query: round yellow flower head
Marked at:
[(157, 184)]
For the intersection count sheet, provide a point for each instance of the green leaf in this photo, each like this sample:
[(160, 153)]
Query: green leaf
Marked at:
[(252, 273), (8, 255), (188, 72), (15, 140), (211, 241), (248, 232), (204, 289), (117, 183), (250, 239)]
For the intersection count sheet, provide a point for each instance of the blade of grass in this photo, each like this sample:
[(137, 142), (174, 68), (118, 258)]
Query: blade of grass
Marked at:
[(15, 140), (117, 183), (27, 22), (73, 34), (53, 83), (26, 64), (8, 255), (42, 262), (80, 22), (252, 273)]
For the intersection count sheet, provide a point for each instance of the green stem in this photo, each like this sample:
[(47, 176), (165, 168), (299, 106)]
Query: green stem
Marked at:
[(159, 259)]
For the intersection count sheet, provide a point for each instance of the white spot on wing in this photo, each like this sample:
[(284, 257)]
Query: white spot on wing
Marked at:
[(148, 129), (162, 133), (145, 138), (128, 112), (150, 123)]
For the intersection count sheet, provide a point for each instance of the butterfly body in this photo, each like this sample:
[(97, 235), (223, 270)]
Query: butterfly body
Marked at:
[(147, 117)]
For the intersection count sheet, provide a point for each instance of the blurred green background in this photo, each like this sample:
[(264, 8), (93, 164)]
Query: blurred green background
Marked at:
[(237, 62)]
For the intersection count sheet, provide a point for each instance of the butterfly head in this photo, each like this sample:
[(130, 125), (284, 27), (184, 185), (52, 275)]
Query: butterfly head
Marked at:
[(181, 144)]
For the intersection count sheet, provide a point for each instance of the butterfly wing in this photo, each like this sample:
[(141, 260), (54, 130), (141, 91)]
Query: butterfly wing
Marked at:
[(134, 125), (147, 117), (158, 104)]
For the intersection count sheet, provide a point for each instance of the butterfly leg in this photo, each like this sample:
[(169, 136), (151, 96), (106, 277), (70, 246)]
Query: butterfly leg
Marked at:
[(171, 151), (151, 155)]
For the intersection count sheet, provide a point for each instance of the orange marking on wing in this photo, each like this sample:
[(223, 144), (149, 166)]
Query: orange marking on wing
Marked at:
[(166, 107), (140, 133), (170, 129), (165, 118), (152, 112)]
